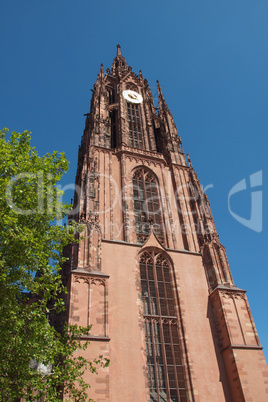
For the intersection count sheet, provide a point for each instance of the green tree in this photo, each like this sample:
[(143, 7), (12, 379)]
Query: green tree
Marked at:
[(35, 358)]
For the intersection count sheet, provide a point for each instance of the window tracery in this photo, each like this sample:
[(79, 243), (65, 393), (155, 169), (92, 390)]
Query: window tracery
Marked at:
[(147, 205), (163, 349), (132, 87)]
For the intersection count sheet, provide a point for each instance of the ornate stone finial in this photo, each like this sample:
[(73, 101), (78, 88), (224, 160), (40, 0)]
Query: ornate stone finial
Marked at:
[(101, 74), (189, 160), (118, 50), (159, 90)]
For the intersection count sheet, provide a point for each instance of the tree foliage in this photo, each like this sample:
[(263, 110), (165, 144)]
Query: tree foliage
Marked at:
[(31, 247)]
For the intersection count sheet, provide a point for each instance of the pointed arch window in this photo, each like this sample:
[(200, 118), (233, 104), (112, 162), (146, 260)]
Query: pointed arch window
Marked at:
[(163, 349), (147, 205), (134, 123)]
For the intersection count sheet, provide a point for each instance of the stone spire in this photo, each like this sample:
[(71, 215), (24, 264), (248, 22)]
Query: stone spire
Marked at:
[(101, 73), (160, 93), (119, 67), (118, 50)]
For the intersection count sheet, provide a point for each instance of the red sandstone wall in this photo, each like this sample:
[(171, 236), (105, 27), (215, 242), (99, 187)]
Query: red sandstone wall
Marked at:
[(126, 347)]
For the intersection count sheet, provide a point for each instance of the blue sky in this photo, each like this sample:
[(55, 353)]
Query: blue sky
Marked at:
[(211, 60)]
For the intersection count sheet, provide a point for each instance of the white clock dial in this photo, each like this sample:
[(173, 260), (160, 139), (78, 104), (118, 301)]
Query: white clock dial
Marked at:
[(132, 96)]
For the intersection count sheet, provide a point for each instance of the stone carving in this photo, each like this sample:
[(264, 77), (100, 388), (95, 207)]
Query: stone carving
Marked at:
[(132, 86), (89, 254), (231, 295), (240, 296), (98, 281), (146, 258), (90, 280), (160, 260), (83, 279)]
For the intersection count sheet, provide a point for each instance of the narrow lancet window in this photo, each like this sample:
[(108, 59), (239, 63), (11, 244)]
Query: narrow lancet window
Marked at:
[(113, 119), (135, 134)]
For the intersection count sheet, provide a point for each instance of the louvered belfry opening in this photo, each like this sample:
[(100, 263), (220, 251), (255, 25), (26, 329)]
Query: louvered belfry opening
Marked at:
[(147, 205), (134, 121), (161, 325)]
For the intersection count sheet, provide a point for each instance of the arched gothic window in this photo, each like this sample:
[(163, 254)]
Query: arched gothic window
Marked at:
[(147, 205), (163, 349)]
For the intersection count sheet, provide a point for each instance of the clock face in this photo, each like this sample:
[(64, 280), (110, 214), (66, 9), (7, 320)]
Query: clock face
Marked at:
[(132, 96)]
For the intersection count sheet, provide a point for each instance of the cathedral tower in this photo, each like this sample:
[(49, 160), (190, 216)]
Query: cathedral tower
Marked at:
[(150, 274)]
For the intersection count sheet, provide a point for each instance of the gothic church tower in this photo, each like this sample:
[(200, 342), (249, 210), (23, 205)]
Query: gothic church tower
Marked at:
[(150, 274)]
